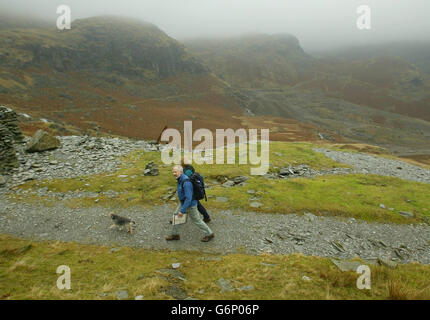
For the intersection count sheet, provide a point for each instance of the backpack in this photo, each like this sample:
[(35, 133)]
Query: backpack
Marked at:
[(199, 191)]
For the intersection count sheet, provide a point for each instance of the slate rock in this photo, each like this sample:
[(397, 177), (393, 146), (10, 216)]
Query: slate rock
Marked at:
[(347, 265), (240, 179), (176, 292), (387, 263), (246, 288), (228, 184), (406, 214), (42, 141), (225, 285), (255, 204), (122, 294)]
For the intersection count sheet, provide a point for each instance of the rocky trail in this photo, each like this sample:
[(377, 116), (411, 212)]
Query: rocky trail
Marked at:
[(247, 232)]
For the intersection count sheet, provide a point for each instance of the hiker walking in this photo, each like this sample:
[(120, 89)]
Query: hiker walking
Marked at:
[(187, 205), (189, 171)]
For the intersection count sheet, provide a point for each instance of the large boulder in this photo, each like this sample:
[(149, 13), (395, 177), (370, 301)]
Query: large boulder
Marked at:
[(42, 141)]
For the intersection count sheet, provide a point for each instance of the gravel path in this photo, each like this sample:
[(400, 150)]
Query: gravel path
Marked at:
[(366, 163), (251, 232), (254, 233)]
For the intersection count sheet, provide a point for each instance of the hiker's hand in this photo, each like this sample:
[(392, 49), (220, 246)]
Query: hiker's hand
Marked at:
[(180, 215)]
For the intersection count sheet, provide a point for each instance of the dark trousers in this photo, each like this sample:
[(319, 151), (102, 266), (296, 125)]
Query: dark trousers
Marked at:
[(202, 210)]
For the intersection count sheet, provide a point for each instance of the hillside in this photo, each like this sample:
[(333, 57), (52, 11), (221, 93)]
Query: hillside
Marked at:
[(254, 60), (109, 74), (118, 76), (381, 100), (414, 52)]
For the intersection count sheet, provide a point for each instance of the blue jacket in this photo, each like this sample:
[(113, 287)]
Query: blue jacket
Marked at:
[(185, 193)]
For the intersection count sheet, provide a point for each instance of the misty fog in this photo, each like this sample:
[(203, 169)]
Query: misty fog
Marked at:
[(318, 24)]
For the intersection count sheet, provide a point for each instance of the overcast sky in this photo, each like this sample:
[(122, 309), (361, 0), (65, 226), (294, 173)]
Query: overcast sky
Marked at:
[(318, 24)]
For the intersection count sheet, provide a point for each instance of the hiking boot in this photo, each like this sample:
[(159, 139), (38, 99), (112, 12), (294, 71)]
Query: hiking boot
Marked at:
[(208, 238), (206, 220), (173, 237)]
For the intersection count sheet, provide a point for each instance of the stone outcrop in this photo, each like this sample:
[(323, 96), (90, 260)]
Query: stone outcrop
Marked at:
[(151, 169), (9, 119), (10, 134)]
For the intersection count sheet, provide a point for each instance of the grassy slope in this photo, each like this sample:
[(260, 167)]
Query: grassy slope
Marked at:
[(28, 271), (355, 195)]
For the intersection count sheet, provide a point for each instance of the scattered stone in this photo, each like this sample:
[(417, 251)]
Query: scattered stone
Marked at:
[(246, 288), (373, 164), (221, 199), (251, 191), (42, 141), (286, 171), (382, 206), (406, 214), (151, 169), (338, 246), (225, 285), (2, 181), (268, 264), (176, 265), (255, 204), (176, 292), (211, 259), (387, 263), (122, 294), (113, 250), (240, 179), (174, 273), (305, 278), (140, 297), (236, 181), (347, 265), (228, 184)]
